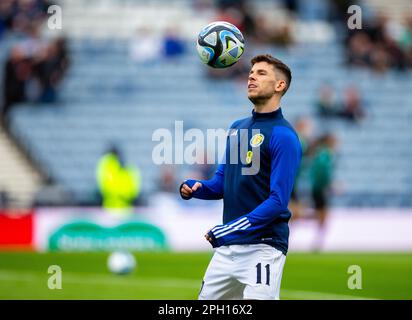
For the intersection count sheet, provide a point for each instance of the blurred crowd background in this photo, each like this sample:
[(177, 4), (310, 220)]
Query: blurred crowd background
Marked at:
[(117, 70)]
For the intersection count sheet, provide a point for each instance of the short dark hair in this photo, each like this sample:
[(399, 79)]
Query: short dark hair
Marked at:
[(277, 64)]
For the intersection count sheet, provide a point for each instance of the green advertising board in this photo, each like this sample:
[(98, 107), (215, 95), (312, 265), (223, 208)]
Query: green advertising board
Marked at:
[(88, 236)]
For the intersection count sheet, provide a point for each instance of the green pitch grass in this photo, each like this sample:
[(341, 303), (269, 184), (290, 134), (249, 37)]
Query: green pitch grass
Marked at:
[(23, 275)]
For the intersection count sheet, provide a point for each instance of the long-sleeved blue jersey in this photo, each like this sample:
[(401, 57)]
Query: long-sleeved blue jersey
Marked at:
[(257, 183)]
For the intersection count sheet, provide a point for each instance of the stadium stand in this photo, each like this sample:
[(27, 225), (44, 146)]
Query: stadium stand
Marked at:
[(108, 97)]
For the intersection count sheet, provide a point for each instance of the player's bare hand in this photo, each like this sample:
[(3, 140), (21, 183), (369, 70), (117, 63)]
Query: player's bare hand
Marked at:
[(207, 236), (186, 191)]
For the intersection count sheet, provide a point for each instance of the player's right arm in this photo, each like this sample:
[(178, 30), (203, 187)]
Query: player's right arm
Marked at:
[(204, 189)]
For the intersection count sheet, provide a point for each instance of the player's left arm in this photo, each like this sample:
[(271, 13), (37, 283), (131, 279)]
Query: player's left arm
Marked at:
[(205, 189), (286, 152), (212, 189)]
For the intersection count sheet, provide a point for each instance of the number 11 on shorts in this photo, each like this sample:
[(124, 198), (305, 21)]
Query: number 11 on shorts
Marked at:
[(259, 273)]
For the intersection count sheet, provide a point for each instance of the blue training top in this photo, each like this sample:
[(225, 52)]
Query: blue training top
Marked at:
[(263, 154)]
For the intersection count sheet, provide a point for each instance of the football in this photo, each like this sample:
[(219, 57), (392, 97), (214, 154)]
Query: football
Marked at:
[(121, 262), (220, 44)]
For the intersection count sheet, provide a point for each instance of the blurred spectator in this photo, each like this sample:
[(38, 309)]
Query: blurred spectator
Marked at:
[(19, 15), (49, 69), (386, 53), (17, 72), (4, 199), (376, 48), (326, 104), (352, 108), (398, 57), (45, 64), (277, 32), (119, 184), (256, 28), (321, 174), (405, 41), (6, 15), (173, 44), (145, 46), (230, 14), (406, 35), (379, 58), (35, 66), (377, 28), (282, 35), (167, 180), (247, 23), (358, 50), (241, 14), (33, 42)]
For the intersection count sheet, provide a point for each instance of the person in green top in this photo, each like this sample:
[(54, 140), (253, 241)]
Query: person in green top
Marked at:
[(321, 178), (119, 184)]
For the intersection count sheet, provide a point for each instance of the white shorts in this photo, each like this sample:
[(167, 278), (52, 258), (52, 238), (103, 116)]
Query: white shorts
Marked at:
[(252, 271)]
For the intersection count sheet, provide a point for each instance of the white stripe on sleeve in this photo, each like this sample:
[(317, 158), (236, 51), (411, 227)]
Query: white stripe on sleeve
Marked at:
[(216, 231), (242, 226)]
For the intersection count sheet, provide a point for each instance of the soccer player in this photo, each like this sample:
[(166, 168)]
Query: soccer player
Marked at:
[(252, 243)]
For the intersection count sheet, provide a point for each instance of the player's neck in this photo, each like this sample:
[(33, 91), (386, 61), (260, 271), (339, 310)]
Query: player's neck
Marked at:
[(268, 106)]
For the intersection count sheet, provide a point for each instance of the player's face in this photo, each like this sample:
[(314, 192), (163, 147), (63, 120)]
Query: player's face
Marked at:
[(261, 82)]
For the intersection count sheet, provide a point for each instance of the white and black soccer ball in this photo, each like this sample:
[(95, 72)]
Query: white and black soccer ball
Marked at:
[(121, 262), (220, 44)]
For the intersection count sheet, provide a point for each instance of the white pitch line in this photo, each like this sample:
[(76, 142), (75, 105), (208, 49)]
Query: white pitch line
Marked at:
[(94, 279)]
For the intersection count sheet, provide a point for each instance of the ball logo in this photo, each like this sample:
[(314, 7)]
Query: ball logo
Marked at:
[(249, 157), (257, 140)]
